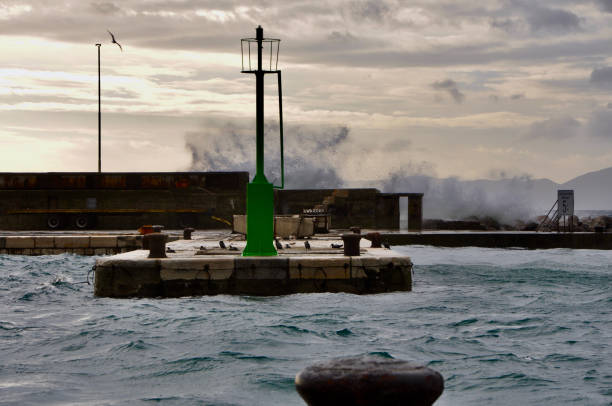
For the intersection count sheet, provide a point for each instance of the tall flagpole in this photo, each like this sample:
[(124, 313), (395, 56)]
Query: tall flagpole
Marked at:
[(99, 116)]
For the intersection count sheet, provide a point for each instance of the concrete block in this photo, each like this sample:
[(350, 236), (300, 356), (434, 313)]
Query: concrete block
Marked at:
[(99, 251), (2, 242), (306, 228), (103, 241), (26, 251), (37, 251), (47, 251), (72, 242), (89, 251), (44, 242), (19, 242), (239, 224), (320, 267), (286, 226), (78, 251), (3, 251)]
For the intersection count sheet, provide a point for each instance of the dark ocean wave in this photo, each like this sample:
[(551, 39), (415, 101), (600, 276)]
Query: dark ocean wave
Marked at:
[(502, 326)]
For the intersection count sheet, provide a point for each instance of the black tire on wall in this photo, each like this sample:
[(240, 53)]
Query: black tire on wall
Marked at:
[(54, 221), (82, 221)]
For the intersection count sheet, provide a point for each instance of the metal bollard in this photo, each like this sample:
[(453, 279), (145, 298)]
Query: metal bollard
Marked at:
[(156, 243), (187, 233), (351, 244), (368, 381), (375, 238)]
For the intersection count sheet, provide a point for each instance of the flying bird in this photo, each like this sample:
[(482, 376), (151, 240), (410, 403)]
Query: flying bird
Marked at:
[(114, 41)]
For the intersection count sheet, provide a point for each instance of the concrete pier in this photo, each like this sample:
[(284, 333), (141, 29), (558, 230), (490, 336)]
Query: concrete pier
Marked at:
[(80, 244), (189, 271), (519, 239)]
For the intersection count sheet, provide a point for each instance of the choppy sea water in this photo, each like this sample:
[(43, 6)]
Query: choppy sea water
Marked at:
[(504, 327)]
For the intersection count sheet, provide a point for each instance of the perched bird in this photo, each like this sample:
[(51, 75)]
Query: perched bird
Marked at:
[(307, 245), (287, 246), (336, 245), (202, 247), (232, 248), (279, 246), (170, 250), (386, 245), (114, 41), (222, 244)]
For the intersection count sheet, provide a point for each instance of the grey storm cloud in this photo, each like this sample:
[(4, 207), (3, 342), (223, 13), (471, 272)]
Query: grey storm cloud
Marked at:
[(551, 19), (600, 124), (449, 86), (177, 25), (555, 128), (606, 5), (602, 76)]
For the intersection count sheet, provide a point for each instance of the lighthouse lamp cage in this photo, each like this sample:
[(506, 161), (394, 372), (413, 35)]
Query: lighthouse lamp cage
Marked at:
[(270, 49)]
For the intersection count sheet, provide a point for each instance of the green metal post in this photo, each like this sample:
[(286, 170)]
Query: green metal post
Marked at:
[(260, 194)]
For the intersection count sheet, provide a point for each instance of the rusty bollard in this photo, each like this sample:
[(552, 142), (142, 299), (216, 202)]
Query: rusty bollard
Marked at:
[(187, 233), (369, 381), (156, 244), (351, 244), (375, 238)]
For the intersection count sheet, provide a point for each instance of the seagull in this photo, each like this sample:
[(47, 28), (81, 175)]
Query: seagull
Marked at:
[(114, 41), (279, 246), (222, 244), (307, 245), (336, 245)]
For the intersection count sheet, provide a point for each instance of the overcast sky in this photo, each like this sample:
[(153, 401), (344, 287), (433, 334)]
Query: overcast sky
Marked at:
[(474, 89)]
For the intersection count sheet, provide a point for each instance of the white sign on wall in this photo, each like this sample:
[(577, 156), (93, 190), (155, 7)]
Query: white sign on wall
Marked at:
[(566, 202)]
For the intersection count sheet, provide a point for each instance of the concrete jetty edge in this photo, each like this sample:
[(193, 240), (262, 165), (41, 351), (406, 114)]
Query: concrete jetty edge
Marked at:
[(135, 275)]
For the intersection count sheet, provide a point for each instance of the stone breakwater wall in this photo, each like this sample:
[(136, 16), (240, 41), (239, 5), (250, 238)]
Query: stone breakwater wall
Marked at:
[(80, 245), (135, 275)]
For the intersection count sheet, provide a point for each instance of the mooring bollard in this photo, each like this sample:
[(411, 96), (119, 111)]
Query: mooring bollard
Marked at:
[(156, 244), (187, 233), (368, 381), (375, 238), (351, 244)]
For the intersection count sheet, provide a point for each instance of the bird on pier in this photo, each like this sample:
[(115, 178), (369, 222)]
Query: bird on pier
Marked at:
[(279, 246), (307, 245), (222, 244), (232, 248), (386, 245), (170, 250), (287, 246), (336, 245), (115, 41)]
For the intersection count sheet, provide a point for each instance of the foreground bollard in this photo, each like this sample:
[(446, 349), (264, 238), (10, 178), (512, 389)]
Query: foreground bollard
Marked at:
[(369, 381), (156, 244), (187, 233), (351, 244)]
